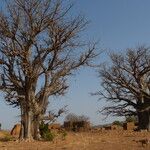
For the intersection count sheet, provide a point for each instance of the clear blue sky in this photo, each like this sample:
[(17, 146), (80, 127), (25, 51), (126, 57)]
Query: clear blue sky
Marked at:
[(118, 24)]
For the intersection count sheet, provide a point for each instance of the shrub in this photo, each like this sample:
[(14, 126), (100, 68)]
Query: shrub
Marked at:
[(46, 134), (64, 134), (75, 118), (118, 123), (6, 138), (131, 119)]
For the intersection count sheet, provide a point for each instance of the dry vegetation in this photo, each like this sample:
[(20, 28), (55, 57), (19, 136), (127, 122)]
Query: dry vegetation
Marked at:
[(96, 140)]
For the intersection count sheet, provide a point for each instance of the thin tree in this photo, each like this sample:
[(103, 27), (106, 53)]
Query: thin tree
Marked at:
[(39, 49), (125, 82)]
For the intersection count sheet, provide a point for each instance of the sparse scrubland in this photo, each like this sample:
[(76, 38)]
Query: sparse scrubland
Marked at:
[(41, 47), (92, 140)]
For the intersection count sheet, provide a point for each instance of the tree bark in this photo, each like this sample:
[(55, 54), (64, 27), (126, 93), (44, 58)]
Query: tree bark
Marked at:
[(22, 131), (144, 120), (36, 131), (28, 126), (143, 112)]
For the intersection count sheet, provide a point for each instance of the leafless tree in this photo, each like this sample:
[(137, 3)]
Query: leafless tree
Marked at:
[(39, 49), (125, 84)]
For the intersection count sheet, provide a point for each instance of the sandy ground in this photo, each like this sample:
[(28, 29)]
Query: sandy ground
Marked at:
[(99, 140)]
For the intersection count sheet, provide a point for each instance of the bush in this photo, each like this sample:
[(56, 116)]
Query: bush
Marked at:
[(75, 118), (118, 123), (46, 134), (64, 134), (6, 138), (131, 119)]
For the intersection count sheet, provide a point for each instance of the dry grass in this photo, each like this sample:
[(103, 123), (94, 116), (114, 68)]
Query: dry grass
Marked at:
[(100, 140), (5, 136)]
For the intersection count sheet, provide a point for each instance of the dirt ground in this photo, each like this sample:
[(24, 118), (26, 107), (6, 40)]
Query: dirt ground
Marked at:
[(98, 140)]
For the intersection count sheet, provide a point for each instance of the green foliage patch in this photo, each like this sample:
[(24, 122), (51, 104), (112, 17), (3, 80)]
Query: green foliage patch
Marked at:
[(46, 134)]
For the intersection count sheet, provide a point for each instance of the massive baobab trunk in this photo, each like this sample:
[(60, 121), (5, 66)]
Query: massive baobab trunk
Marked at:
[(144, 120), (36, 125), (29, 126), (26, 120), (143, 113), (36, 134), (26, 125)]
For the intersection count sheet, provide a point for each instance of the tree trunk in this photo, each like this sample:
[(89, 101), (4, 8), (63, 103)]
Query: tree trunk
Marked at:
[(36, 125), (21, 136), (148, 126), (28, 126), (22, 131), (144, 120), (143, 113)]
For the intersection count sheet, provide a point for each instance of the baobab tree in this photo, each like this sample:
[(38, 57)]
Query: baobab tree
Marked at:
[(125, 82), (39, 49)]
